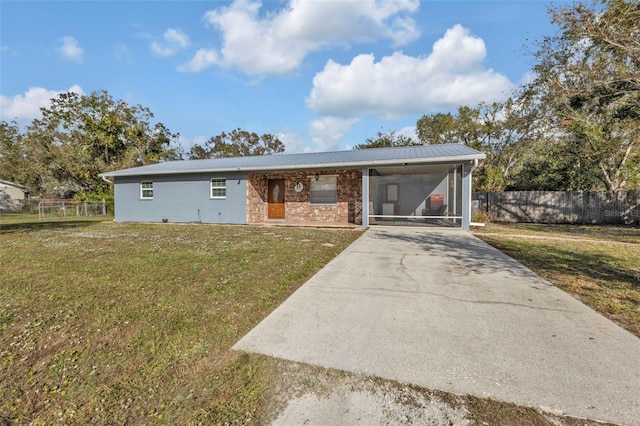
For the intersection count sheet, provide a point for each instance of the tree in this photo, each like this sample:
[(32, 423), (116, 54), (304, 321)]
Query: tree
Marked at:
[(237, 143), (503, 131), (437, 128), (466, 127), (387, 140), (162, 145), (587, 86), (555, 167), (80, 136), (12, 161), (19, 162)]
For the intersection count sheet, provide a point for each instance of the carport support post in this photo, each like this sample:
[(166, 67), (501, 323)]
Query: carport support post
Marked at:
[(466, 196), (365, 197)]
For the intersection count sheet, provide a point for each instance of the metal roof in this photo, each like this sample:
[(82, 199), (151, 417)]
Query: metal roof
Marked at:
[(357, 158)]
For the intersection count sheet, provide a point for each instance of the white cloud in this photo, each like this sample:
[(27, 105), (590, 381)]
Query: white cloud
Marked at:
[(203, 59), (278, 42), (452, 75), (24, 108), (293, 143), (8, 50), (327, 132), (188, 142), (527, 78), (122, 53), (70, 50), (174, 40), (405, 31), (177, 37), (408, 132)]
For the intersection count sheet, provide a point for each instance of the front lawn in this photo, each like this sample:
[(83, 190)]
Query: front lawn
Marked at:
[(107, 323)]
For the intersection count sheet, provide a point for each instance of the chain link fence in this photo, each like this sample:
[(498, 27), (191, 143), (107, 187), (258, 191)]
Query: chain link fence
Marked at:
[(55, 209)]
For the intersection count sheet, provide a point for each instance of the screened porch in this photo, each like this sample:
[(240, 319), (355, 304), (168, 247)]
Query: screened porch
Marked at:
[(428, 195)]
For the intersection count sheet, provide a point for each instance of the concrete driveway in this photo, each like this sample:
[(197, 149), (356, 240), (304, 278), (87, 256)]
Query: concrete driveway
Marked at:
[(441, 309)]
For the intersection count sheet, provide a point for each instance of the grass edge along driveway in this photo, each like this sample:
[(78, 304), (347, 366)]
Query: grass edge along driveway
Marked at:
[(599, 265)]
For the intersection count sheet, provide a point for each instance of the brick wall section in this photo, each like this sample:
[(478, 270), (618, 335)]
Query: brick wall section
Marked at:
[(297, 208)]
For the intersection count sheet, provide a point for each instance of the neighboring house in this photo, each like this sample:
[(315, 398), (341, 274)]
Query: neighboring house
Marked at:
[(12, 196), (417, 184)]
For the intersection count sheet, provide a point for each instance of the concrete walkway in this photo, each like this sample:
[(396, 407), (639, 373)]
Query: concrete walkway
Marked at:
[(441, 309)]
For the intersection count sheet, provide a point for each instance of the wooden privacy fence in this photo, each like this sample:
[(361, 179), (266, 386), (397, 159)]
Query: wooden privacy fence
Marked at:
[(593, 207)]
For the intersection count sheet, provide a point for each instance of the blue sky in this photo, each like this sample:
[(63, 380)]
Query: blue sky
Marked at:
[(322, 75)]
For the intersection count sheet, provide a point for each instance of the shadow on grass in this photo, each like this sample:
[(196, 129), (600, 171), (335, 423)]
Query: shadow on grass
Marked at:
[(8, 228)]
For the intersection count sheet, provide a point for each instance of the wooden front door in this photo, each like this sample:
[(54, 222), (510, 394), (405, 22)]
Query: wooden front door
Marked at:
[(275, 199)]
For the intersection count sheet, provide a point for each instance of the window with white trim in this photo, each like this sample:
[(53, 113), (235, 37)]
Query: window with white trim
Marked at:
[(324, 190), (218, 188), (146, 190)]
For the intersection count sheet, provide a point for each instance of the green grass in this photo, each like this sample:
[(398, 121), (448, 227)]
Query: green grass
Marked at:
[(107, 323), (598, 264)]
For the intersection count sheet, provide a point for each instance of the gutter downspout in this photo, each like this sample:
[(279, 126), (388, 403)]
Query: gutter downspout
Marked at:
[(471, 169), (104, 178)]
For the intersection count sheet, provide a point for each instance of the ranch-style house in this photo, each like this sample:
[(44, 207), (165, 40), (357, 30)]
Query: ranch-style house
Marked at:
[(422, 185)]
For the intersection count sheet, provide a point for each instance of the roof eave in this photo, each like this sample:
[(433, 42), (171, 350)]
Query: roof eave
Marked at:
[(15, 185), (352, 164)]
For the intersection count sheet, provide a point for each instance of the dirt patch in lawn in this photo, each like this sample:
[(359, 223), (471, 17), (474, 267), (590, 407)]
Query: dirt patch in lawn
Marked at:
[(304, 394)]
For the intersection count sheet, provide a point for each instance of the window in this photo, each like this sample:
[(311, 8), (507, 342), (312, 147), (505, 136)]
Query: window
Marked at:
[(218, 188), (392, 192), (146, 190), (324, 190)]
